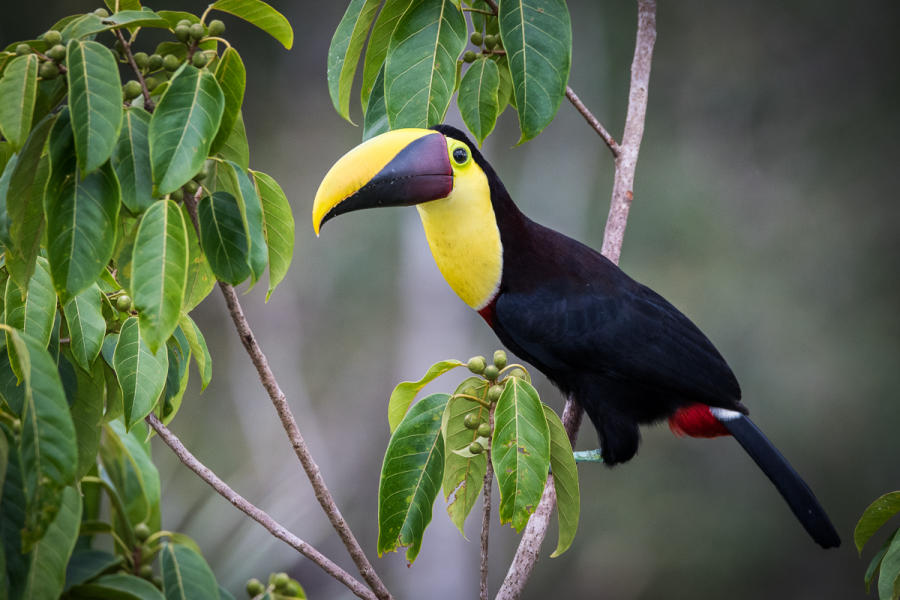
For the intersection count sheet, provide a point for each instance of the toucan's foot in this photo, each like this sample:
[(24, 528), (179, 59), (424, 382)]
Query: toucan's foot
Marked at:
[(589, 456)]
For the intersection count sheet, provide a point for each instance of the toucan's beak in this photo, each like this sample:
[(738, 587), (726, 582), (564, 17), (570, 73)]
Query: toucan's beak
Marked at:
[(397, 168)]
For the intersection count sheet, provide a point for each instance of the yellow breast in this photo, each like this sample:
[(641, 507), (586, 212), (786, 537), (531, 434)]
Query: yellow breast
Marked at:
[(462, 232)]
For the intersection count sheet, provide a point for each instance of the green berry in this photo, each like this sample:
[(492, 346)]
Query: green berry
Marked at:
[(494, 393), (491, 373), (171, 62), (177, 195), (132, 89), (477, 38), (102, 13), (48, 70), (476, 364), (517, 372), (476, 448), (281, 580), (184, 23), (484, 430), (141, 530), (146, 572), (191, 187), (216, 28), (472, 421), (292, 590), (155, 63), (57, 52), (23, 49), (119, 47), (158, 582), (500, 359), (52, 37), (183, 33), (255, 587), (469, 56), (199, 60), (123, 304), (151, 83), (197, 31), (142, 60), (490, 41)]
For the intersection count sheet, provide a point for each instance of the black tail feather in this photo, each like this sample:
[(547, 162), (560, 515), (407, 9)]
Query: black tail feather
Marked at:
[(793, 489)]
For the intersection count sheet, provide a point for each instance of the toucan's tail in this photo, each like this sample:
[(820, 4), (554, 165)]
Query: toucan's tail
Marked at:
[(776, 467)]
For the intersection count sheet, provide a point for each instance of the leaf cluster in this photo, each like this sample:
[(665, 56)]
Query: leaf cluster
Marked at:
[(416, 59), (885, 565), (121, 205), (445, 441)]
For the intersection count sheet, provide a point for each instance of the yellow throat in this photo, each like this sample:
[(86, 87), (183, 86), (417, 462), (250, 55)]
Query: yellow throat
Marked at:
[(462, 232)]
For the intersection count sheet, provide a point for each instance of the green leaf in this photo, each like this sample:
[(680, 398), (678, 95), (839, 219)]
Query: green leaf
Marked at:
[(4, 188), (262, 15), (95, 102), (537, 35), (159, 271), (141, 373), (278, 226), (81, 230), (131, 161), (86, 402), (183, 127), (236, 148), (477, 98), (463, 475), (136, 18), (86, 325), (406, 392), (874, 567), (223, 238), (88, 564), (200, 278), (243, 190), (411, 477), (520, 451), (420, 69), (199, 351), (47, 445), (376, 119), (34, 312), (186, 576), (343, 53), (172, 17), (12, 518), (117, 587), (82, 26), (889, 572), (876, 515), (565, 478), (126, 459), (232, 78), (47, 574), (505, 94), (24, 204), (377, 50), (178, 354), (18, 88)]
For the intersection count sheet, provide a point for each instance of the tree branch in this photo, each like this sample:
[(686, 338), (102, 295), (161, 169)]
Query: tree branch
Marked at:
[(486, 525), (255, 513), (149, 105), (279, 401), (626, 161), (593, 122)]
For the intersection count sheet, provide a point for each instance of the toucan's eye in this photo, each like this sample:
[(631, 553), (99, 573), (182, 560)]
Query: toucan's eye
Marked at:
[(460, 156)]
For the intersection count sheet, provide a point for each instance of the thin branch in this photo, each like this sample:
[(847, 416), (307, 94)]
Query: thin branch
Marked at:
[(527, 553), (493, 6), (486, 525), (593, 121), (255, 513), (267, 378), (149, 105)]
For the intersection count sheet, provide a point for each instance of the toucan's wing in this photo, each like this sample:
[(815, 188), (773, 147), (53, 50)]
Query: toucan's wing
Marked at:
[(622, 330)]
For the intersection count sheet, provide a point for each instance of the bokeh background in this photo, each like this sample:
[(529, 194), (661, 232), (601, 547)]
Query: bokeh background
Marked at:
[(766, 208)]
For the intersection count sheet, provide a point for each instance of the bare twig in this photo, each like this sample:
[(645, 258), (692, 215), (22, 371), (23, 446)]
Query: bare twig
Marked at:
[(255, 513), (626, 160), (149, 105), (593, 121), (267, 378), (486, 525)]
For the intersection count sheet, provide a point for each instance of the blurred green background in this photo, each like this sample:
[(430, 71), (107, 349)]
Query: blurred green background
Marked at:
[(766, 208)]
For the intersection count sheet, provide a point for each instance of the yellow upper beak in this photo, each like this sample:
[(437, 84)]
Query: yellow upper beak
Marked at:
[(379, 173)]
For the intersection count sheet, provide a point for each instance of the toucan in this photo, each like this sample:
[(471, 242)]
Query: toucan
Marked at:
[(625, 354)]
